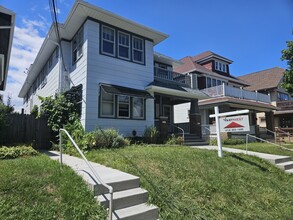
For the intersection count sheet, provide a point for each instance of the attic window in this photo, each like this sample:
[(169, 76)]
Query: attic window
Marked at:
[(220, 66)]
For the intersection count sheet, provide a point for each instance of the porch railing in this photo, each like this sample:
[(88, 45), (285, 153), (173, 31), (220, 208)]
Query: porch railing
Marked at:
[(168, 75), (224, 90), (181, 129)]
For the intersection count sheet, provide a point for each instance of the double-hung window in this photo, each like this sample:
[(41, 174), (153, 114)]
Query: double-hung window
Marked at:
[(137, 49), (137, 108), (77, 45), (209, 82), (108, 41), (123, 45), (108, 104), (123, 106)]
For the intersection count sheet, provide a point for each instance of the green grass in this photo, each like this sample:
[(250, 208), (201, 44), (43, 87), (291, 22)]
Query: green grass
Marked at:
[(264, 148), (36, 188), (195, 184)]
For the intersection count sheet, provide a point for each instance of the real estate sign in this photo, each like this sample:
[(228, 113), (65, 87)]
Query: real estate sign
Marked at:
[(238, 123)]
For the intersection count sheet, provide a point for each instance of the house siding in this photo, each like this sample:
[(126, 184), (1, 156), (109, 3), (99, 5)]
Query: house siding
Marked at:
[(109, 70)]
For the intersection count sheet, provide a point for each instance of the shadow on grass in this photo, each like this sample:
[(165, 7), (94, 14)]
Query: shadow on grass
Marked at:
[(249, 162)]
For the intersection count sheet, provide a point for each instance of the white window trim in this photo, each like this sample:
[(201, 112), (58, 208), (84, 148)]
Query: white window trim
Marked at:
[(118, 104), (79, 44), (129, 42), (114, 42), (142, 51), (223, 67), (143, 108), (101, 107)]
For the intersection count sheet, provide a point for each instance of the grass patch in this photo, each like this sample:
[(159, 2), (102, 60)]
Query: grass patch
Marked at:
[(36, 188), (195, 184), (264, 148)]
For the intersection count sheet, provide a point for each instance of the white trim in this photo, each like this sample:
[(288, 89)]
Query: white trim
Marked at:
[(109, 41), (139, 50), (118, 46)]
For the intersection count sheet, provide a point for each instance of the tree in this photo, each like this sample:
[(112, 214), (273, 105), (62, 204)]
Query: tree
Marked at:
[(287, 54)]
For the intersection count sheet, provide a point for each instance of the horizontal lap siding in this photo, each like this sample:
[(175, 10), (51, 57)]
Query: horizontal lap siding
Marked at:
[(105, 69)]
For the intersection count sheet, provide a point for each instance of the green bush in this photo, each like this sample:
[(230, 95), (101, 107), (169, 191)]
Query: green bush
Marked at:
[(150, 135), (233, 141), (15, 152), (213, 141), (174, 140), (104, 138), (35, 111)]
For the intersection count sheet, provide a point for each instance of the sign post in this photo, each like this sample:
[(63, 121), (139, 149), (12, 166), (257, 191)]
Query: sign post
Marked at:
[(235, 124)]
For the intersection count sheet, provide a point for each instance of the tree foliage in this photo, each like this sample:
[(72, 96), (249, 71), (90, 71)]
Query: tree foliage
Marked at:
[(287, 54)]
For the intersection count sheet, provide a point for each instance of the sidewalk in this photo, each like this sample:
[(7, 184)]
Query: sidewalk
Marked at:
[(283, 162)]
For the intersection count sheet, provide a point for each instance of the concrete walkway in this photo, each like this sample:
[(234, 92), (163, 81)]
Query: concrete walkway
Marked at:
[(129, 200), (283, 162)]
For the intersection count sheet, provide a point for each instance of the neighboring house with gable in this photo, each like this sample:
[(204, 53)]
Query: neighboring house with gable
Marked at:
[(269, 81), (7, 23), (210, 73), (123, 83)]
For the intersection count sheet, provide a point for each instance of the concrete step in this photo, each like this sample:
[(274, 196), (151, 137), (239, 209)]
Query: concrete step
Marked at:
[(286, 165), (281, 159), (138, 212), (196, 143), (289, 171), (124, 198)]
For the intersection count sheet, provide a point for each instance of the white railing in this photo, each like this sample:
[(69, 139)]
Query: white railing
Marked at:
[(169, 75), (110, 188), (260, 139), (224, 90)]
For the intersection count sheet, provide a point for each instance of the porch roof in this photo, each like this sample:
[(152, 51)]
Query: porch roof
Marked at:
[(120, 90), (175, 90), (237, 103), (283, 112)]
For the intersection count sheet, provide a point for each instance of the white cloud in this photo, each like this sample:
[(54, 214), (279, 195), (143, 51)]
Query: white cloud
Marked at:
[(26, 44)]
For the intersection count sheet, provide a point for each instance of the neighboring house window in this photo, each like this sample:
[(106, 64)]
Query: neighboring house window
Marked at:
[(137, 49), (123, 106), (220, 66), (107, 104), (219, 82), (124, 45), (77, 42), (137, 107), (214, 82), (108, 41), (209, 82), (57, 52), (283, 96), (50, 62)]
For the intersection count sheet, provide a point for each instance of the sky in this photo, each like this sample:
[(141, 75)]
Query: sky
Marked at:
[(252, 33)]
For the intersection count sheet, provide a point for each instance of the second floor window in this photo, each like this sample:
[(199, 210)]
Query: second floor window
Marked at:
[(108, 41), (77, 42), (123, 45), (138, 50), (220, 66), (282, 96)]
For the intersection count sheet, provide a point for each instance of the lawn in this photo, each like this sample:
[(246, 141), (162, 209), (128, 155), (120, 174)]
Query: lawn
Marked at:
[(264, 148), (35, 188), (195, 184)]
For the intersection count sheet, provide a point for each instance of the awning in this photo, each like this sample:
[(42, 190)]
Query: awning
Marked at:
[(120, 90)]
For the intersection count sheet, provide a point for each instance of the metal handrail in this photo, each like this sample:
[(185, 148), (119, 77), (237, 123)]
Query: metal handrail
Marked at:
[(273, 132), (247, 135), (110, 188), (183, 136)]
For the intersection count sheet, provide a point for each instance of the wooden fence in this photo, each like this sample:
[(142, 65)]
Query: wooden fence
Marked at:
[(25, 129)]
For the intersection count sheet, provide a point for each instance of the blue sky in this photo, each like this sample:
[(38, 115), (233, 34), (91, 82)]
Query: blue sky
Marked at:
[(252, 33)]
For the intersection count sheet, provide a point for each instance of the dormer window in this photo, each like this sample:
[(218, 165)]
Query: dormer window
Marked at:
[(220, 66)]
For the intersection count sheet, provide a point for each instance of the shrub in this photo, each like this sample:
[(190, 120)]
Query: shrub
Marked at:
[(233, 141), (35, 111), (150, 135), (175, 140), (213, 141), (15, 152)]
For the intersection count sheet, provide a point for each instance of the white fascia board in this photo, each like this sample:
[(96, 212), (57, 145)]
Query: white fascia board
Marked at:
[(1, 68)]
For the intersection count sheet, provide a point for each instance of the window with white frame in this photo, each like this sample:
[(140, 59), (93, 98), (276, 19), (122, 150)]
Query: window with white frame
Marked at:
[(77, 42), (137, 49), (220, 66), (107, 104), (108, 40), (123, 110), (123, 45), (137, 107)]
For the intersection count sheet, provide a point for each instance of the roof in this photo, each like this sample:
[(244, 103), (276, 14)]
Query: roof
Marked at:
[(7, 23), (166, 59), (190, 66), (208, 55), (265, 79), (80, 12), (236, 102)]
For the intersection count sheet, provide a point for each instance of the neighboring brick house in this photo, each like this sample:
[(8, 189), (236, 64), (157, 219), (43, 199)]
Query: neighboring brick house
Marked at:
[(210, 73), (269, 81)]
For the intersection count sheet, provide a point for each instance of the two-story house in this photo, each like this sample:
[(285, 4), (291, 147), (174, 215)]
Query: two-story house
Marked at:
[(270, 81), (124, 84), (7, 23), (210, 73)]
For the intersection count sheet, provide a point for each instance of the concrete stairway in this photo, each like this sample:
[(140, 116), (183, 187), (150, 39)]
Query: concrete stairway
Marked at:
[(129, 200), (194, 140), (284, 163)]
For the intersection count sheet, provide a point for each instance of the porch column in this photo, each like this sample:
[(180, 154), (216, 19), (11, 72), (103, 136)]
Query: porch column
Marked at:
[(163, 127), (270, 120), (254, 123), (194, 118)]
